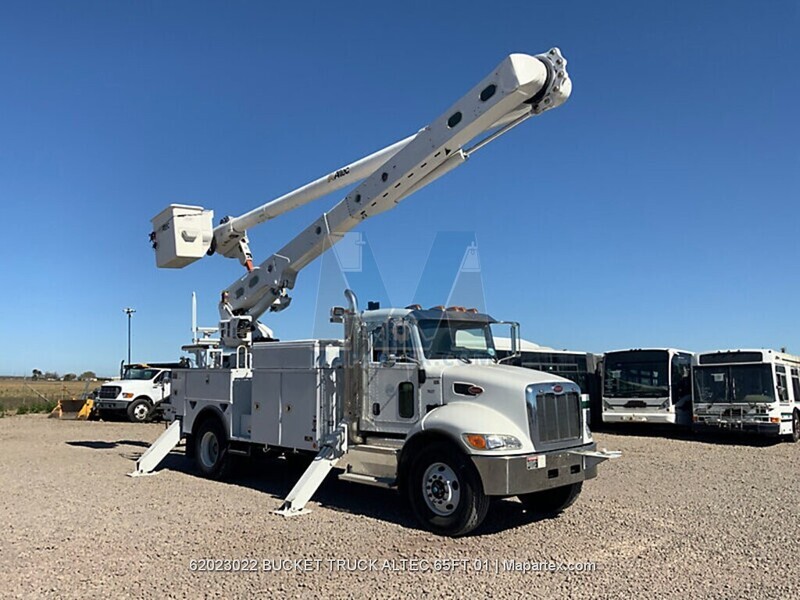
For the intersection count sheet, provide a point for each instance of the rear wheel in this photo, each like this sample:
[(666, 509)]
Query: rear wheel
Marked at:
[(445, 491), (211, 449), (796, 426), (551, 502), (139, 410)]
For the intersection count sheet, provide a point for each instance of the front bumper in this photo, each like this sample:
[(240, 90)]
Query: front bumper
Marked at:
[(715, 424), (104, 404), (618, 416), (514, 475)]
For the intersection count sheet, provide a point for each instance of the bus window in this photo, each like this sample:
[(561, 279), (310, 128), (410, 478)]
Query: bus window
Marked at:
[(783, 389), (681, 377), (796, 384)]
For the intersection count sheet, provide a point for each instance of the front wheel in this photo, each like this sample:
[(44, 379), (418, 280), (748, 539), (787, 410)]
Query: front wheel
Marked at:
[(796, 426), (551, 502), (139, 410), (445, 491)]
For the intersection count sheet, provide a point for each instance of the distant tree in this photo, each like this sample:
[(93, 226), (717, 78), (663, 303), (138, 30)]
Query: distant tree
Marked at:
[(37, 374), (51, 375), (70, 377), (87, 375)]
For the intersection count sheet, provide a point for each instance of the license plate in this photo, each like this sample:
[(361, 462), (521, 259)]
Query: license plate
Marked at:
[(536, 462)]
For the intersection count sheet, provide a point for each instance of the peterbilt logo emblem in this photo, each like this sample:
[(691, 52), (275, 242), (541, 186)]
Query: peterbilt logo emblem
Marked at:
[(558, 389)]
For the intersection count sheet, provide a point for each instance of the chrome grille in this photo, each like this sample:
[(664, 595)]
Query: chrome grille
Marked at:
[(110, 391), (558, 416)]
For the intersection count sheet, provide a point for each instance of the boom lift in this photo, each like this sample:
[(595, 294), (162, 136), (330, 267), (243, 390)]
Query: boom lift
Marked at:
[(412, 399)]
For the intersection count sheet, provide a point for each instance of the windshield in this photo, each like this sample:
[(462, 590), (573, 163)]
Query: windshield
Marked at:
[(144, 374), (736, 383), (636, 374), (448, 338)]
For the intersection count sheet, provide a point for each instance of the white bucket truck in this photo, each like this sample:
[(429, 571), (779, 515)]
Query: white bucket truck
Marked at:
[(411, 399)]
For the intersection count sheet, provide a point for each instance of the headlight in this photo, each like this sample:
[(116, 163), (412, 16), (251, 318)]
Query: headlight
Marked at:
[(491, 441), (127, 395)]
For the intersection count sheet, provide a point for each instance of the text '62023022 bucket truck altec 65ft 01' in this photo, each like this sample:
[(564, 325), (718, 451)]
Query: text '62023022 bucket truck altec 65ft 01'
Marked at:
[(410, 399)]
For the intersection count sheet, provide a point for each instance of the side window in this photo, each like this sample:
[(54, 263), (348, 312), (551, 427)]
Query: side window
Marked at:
[(392, 338), (405, 399), (681, 376), (400, 339), (783, 390), (159, 378), (377, 338), (796, 384)]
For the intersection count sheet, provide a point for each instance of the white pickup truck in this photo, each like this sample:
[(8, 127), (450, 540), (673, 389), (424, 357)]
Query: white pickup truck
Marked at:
[(138, 394)]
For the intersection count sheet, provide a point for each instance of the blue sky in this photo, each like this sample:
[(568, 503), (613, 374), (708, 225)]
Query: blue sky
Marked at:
[(659, 206)]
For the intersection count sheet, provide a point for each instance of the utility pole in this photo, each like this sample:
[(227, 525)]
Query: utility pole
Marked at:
[(129, 311)]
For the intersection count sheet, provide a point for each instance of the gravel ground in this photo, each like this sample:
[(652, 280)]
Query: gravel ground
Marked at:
[(711, 518)]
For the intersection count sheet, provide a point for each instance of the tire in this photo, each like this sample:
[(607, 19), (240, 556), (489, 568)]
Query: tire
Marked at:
[(140, 410), (445, 491), (552, 502), (795, 437), (211, 449)]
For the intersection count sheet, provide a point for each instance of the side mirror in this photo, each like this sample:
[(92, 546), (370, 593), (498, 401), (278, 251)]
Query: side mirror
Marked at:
[(388, 361)]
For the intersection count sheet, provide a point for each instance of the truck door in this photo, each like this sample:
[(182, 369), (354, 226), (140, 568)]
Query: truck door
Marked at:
[(161, 386), (393, 379)]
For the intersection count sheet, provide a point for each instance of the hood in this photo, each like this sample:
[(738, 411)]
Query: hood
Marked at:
[(497, 375)]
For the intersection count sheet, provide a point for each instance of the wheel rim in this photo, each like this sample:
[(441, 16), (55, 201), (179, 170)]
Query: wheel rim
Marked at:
[(140, 412), (209, 449), (441, 489)]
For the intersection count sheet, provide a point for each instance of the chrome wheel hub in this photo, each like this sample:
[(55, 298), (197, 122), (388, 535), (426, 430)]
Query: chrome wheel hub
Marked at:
[(441, 489)]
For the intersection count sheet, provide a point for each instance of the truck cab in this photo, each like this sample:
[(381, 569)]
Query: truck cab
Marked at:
[(418, 360), (433, 377), (137, 395)]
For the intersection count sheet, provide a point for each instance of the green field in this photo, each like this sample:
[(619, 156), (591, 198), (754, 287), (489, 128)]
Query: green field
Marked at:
[(26, 395)]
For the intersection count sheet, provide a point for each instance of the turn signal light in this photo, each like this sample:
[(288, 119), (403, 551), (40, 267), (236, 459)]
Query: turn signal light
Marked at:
[(476, 441), (492, 441), (774, 419)]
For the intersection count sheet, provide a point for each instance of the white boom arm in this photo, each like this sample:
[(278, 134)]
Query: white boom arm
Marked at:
[(230, 237), (520, 87)]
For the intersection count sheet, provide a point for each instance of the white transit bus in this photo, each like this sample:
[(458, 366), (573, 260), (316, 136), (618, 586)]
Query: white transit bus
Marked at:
[(577, 366), (748, 390), (648, 385)]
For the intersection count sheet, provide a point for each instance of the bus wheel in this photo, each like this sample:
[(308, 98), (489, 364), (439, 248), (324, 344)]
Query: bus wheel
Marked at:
[(796, 426)]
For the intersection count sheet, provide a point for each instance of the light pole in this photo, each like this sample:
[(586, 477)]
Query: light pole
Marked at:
[(129, 311)]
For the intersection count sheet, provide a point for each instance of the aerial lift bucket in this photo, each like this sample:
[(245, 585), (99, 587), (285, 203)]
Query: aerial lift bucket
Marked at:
[(79, 410)]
